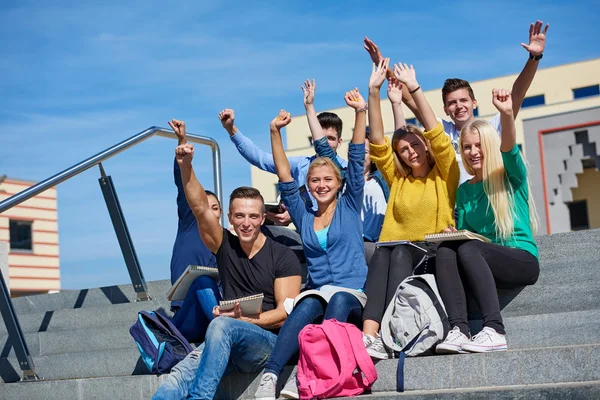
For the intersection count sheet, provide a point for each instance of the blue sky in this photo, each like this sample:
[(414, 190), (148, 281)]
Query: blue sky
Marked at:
[(77, 77)]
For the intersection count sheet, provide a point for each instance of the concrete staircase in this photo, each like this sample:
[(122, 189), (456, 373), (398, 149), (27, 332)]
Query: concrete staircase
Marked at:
[(82, 348)]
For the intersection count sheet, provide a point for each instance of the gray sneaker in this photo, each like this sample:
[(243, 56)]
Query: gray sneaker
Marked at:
[(266, 387), (290, 390), (378, 350)]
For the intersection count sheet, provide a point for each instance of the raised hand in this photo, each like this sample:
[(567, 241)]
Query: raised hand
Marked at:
[(502, 100), (537, 38), (184, 154), (227, 118), (394, 91), (373, 50), (407, 75), (355, 100), (179, 129), (378, 73), (309, 92), (282, 119)]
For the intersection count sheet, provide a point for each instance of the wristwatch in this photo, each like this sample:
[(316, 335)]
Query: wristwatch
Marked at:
[(536, 58)]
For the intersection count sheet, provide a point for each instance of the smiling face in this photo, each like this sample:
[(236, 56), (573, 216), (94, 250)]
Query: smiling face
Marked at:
[(323, 183), (471, 149), (246, 215), (459, 105), (412, 151)]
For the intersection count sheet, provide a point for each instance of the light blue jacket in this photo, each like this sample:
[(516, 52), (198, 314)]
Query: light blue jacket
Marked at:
[(343, 263)]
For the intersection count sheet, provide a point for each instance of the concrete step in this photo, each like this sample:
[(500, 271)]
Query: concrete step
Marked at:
[(530, 331), (568, 277), (142, 388), (242, 386), (574, 363), (556, 391), (82, 318), (85, 298)]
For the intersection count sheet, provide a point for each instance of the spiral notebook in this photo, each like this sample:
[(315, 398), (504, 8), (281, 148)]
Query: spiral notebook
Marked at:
[(250, 305), (458, 235), (182, 285)]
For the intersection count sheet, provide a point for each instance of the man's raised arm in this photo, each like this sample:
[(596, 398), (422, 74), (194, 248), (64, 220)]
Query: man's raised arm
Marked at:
[(211, 231), (536, 46)]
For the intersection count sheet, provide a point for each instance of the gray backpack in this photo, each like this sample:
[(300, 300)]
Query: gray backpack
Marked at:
[(415, 320)]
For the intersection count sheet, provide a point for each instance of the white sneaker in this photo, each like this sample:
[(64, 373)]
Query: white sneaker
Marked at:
[(367, 340), (378, 350), (453, 343), (267, 387), (290, 390), (486, 340)]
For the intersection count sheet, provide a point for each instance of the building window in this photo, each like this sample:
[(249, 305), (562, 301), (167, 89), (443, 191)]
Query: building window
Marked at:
[(20, 235), (532, 101), (412, 121), (476, 112), (587, 91), (578, 212)]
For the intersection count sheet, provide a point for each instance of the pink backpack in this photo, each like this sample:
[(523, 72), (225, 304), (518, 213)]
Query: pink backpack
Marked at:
[(333, 361)]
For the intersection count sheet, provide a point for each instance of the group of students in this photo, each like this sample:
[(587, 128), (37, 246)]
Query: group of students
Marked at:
[(339, 210)]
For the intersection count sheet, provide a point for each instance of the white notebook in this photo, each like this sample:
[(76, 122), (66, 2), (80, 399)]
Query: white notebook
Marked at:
[(458, 235), (180, 288), (250, 305)]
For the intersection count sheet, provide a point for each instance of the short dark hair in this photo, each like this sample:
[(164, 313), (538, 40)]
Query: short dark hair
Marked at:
[(454, 84), (331, 120), (209, 193), (246, 192)]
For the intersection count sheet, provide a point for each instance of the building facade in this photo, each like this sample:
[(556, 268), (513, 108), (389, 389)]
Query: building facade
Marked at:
[(31, 232), (562, 102)]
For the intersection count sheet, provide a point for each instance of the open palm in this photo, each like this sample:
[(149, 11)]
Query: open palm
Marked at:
[(537, 38), (405, 73)]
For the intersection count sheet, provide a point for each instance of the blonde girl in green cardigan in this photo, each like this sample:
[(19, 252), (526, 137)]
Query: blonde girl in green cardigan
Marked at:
[(495, 203)]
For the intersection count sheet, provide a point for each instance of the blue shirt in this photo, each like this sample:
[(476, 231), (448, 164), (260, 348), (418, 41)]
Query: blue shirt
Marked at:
[(322, 238), (343, 263), (264, 161), (188, 248)]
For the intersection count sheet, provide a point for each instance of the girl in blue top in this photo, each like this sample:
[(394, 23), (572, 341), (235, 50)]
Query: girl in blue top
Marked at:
[(332, 241)]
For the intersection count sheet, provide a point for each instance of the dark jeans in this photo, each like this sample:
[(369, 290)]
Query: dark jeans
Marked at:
[(389, 266), (342, 306), (483, 267), (195, 313)]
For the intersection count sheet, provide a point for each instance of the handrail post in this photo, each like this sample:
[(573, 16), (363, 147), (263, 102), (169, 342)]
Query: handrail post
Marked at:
[(120, 225), (15, 334)]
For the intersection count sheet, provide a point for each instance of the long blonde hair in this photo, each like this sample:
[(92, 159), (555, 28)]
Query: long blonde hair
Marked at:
[(403, 169), (495, 181)]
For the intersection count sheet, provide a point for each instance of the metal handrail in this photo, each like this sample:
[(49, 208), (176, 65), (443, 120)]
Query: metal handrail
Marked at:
[(112, 151)]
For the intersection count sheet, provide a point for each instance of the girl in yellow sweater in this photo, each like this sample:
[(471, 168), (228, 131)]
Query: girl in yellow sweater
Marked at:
[(422, 172)]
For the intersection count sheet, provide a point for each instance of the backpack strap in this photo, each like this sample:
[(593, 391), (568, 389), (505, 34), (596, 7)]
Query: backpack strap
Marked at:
[(331, 329), (363, 360)]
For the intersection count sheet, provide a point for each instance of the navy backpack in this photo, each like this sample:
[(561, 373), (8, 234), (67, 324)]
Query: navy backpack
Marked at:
[(160, 343)]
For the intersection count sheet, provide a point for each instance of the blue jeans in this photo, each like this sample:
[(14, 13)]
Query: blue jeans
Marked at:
[(342, 306), (230, 346), (195, 313)]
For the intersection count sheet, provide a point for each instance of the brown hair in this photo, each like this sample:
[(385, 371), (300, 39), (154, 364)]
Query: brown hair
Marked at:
[(401, 167), (246, 192), (454, 84)]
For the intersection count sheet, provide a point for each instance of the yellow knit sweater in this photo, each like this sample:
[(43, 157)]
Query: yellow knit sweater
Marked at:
[(418, 206)]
